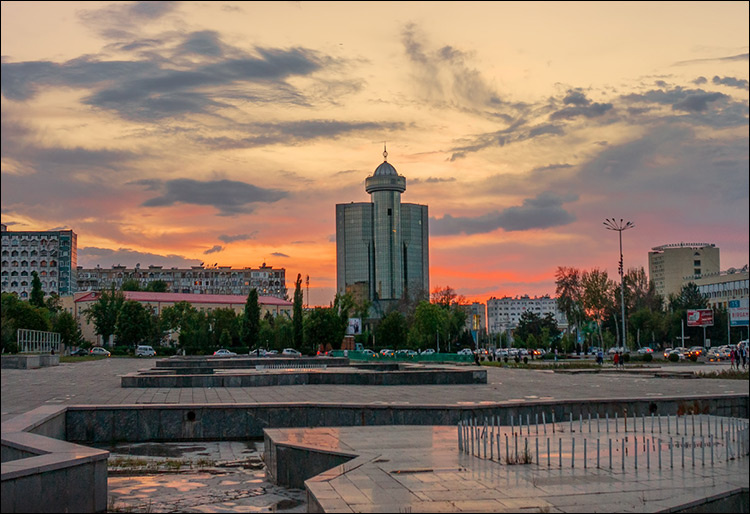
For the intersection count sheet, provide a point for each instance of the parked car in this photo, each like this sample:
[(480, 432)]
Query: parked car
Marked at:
[(81, 352), (223, 352), (271, 353), (144, 351), (385, 352), (466, 351), (290, 352), (98, 350), (428, 351), (645, 350), (501, 352), (368, 352), (258, 352)]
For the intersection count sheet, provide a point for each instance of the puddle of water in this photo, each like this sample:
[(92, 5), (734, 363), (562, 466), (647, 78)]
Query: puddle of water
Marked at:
[(206, 477)]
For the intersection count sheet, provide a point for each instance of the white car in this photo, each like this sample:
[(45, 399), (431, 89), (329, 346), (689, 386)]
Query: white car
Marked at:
[(501, 352), (144, 351), (429, 351), (385, 352), (223, 352), (98, 350), (368, 352), (290, 352), (465, 351)]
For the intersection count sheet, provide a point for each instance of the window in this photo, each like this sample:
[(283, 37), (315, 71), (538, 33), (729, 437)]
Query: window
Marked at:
[(697, 262), (697, 271)]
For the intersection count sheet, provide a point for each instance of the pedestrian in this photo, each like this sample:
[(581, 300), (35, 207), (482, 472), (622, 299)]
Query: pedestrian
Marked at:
[(744, 357), (616, 359), (732, 357)]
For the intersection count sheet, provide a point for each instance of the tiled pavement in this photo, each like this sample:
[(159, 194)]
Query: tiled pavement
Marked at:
[(98, 383)]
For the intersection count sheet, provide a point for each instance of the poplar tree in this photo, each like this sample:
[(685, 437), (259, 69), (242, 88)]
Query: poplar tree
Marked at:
[(37, 295), (251, 319), (297, 312)]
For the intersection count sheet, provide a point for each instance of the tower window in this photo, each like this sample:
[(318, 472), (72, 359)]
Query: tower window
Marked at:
[(389, 212)]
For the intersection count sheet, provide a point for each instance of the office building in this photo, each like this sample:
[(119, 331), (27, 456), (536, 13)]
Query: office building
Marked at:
[(53, 254), (724, 287), (382, 246), (669, 264), (222, 280)]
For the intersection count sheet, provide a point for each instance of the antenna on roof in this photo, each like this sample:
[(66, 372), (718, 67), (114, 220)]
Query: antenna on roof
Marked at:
[(385, 153)]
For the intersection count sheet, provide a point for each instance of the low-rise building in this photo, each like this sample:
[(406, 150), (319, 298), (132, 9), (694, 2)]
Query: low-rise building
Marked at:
[(722, 287)]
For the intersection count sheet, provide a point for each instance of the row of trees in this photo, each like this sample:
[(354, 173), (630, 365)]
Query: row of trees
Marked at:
[(592, 303)]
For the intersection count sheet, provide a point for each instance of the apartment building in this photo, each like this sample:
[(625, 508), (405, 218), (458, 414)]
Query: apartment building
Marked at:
[(504, 313), (669, 264), (221, 280), (53, 254)]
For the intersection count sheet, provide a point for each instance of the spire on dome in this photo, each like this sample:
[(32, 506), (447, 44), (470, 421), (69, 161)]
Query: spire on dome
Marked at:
[(385, 153)]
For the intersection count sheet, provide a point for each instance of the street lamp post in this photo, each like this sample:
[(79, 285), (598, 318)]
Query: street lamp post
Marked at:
[(620, 226)]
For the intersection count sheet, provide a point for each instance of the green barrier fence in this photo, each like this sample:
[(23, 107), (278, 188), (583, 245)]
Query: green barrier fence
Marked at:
[(429, 357)]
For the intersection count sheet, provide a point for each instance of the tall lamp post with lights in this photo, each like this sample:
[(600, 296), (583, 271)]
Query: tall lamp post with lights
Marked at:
[(620, 226)]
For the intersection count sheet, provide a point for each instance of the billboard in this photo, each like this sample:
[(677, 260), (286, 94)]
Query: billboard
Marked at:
[(355, 327), (738, 316), (700, 318)]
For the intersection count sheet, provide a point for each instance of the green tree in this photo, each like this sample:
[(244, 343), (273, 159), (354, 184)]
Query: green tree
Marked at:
[(597, 298), (37, 295), (104, 313), (322, 327), (225, 340), (297, 313), (429, 326), (251, 320), (130, 284), (392, 330), (225, 319), (134, 324), (157, 286), (283, 334), (569, 291), (66, 325), (16, 314)]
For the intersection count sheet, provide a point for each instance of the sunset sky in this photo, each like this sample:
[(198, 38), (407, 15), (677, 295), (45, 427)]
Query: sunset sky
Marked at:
[(225, 132)]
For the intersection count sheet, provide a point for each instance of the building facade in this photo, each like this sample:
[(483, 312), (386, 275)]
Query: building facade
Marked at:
[(504, 313), (476, 317), (669, 264), (382, 246), (723, 287), (159, 301), (53, 254), (222, 280)]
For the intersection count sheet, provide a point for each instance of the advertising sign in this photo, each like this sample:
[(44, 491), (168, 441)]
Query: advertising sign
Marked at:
[(700, 318), (355, 327), (738, 317)]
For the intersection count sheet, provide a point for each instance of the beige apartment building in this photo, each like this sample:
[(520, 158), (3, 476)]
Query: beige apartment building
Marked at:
[(723, 287), (669, 264)]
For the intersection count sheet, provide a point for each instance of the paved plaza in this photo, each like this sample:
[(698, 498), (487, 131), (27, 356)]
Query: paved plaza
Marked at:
[(98, 383)]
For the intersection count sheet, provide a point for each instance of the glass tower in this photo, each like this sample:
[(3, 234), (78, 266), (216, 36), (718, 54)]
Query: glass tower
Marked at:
[(382, 247)]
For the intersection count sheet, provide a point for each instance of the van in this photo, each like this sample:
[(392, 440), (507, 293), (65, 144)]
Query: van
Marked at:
[(144, 351)]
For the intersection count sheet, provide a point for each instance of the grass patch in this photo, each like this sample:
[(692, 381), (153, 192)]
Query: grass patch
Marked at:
[(731, 374)]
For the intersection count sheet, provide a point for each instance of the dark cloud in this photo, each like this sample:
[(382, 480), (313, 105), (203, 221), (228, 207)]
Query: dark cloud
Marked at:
[(588, 111), (576, 97), (122, 20), (228, 196), (731, 81), (700, 80), (432, 180), (513, 134), (296, 132), (731, 58), (553, 167), (543, 211), (204, 43), (239, 237), (214, 249), (697, 102), (91, 256), (279, 254)]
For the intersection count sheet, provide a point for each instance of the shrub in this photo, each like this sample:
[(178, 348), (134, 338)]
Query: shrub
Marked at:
[(625, 357), (673, 357), (648, 357), (693, 357), (505, 358), (525, 360)]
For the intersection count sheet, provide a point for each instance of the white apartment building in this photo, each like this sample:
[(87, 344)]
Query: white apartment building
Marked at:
[(504, 313), (669, 264), (52, 254), (723, 287), (220, 280)]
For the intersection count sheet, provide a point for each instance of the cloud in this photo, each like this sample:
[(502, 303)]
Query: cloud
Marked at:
[(297, 132), (432, 180), (697, 102), (228, 196), (543, 211), (731, 81), (239, 237), (122, 20), (731, 58), (91, 256), (700, 80), (576, 97), (513, 134), (214, 249), (279, 254), (588, 111)]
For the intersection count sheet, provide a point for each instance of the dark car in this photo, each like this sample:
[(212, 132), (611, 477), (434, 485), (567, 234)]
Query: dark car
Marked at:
[(81, 352)]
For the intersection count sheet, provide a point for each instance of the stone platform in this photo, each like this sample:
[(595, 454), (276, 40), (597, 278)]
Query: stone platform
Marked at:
[(427, 469)]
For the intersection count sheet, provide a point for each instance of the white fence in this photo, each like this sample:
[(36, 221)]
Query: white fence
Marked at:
[(38, 341)]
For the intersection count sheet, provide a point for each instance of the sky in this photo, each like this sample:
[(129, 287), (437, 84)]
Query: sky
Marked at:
[(180, 133)]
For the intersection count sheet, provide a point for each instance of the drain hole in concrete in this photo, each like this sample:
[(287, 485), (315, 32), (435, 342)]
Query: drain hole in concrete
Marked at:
[(191, 416)]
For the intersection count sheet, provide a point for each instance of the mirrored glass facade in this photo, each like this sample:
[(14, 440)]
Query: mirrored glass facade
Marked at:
[(382, 247)]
